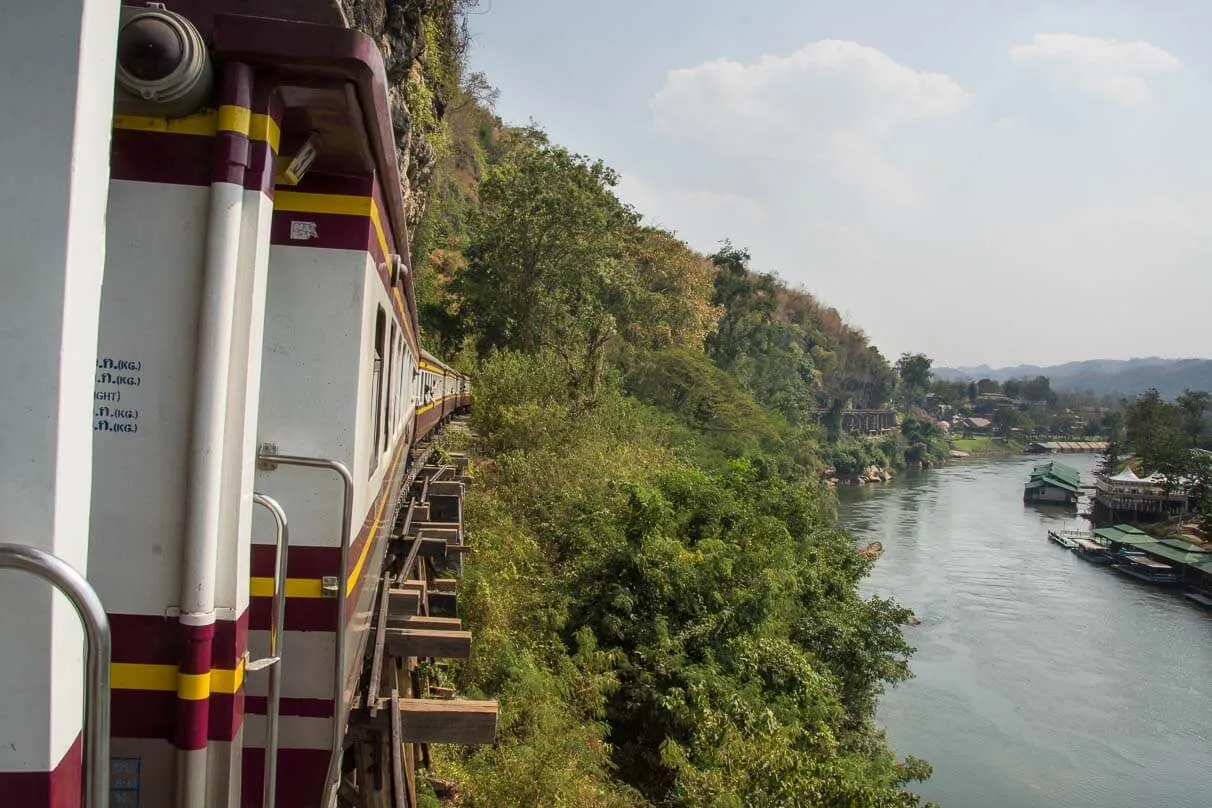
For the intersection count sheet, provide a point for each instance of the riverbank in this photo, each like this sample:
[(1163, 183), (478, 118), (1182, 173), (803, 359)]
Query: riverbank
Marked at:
[(986, 446)]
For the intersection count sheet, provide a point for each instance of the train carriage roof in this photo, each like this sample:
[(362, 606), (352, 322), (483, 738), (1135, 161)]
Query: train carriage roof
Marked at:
[(430, 359)]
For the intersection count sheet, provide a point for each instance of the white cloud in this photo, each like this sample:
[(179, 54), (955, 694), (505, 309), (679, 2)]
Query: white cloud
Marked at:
[(1151, 212), (700, 217), (1114, 70), (832, 101)]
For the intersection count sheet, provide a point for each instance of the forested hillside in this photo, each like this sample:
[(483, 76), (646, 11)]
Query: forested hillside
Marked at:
[(1124, 377), (659, 594)]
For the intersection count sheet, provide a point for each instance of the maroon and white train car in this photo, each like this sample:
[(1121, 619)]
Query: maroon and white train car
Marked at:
[(255, 331)]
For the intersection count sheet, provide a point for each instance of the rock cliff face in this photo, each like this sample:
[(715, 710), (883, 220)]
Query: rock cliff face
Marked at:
[(399, 28)]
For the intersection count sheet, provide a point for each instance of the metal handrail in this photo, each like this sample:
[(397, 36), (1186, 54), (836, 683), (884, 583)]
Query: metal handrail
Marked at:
[(61, 575), (277, 627), (268, 458)]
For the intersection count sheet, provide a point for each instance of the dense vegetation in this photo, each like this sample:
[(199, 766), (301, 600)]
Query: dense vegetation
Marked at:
[(658, 593), (1156, 436)]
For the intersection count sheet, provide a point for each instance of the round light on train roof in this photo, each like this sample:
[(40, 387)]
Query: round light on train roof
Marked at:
[(150, 49), (163, 67)]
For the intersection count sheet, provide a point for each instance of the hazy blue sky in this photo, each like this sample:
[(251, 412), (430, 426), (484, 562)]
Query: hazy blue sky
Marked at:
[(983, 181)]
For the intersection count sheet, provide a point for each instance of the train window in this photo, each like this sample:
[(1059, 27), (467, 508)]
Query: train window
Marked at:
[(402, 370), (376, 390), (389, 393)]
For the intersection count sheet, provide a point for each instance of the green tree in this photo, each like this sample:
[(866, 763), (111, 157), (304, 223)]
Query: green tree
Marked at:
[(749, 301), (546, 266), (1007, 419), (913, 370), (1038, 389), (1155, 432), (986, 387), (1113, 427), (1194, 405), (672, 301)]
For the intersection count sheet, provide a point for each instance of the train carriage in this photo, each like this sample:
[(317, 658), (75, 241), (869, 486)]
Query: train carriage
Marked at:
[(257, 345)]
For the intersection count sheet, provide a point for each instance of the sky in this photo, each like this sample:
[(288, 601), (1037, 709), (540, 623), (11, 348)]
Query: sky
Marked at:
[(984, 182)]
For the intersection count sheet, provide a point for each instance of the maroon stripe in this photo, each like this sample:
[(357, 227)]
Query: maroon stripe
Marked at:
[(262, 168), (196, 644), (143, 714), (192, 723), (302, 614), (237, 88), (304, 708), (226, 715), (231, 641), (333, 231), (58, 788), (426, 422), (263, 163), (232, 158), (172, 159), (155, 714), (144, 638), (301, 774), (156, 640), (302, 562), (160, 157)]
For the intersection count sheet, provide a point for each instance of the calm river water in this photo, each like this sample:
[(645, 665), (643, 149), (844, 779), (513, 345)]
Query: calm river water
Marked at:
[(1041, 680)]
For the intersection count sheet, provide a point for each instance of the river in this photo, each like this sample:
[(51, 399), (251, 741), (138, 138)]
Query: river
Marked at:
[(1040, 679)]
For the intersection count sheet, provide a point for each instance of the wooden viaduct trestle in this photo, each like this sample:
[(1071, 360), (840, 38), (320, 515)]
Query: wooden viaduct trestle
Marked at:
[(399, 712), (864, 422)]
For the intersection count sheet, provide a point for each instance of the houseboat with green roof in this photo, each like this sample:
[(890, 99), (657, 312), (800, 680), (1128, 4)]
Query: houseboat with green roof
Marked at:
[(1159, 560), (1053, 483)]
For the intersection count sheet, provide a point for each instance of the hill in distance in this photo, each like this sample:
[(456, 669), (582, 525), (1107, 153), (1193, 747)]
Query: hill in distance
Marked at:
[(1126, 377)]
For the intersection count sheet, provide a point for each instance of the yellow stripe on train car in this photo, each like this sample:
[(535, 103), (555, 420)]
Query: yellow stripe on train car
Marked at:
[(259, 587), (370, 536), (227, 118), (165, 678)]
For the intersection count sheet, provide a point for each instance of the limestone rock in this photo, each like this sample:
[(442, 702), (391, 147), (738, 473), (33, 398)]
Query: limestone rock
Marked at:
[(396, 26)]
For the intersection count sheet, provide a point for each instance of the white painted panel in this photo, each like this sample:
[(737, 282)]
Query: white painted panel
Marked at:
[(149, 317), (309, 377), (56, 78), (306, 664)]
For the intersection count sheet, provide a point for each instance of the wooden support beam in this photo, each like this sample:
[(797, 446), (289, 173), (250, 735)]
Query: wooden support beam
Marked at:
[(449, 585), (445, 488), (442, 604), (399, 786), (420, 642), (431, 623), (433, 548), (404, 602), (458, 548), (449, 721), (438, 692), (362, 753), (446, 531), (408, 517)]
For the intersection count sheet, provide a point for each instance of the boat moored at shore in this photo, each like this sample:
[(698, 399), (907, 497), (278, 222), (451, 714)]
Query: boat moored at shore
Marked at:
[(1147, 569), (1090, 550)]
